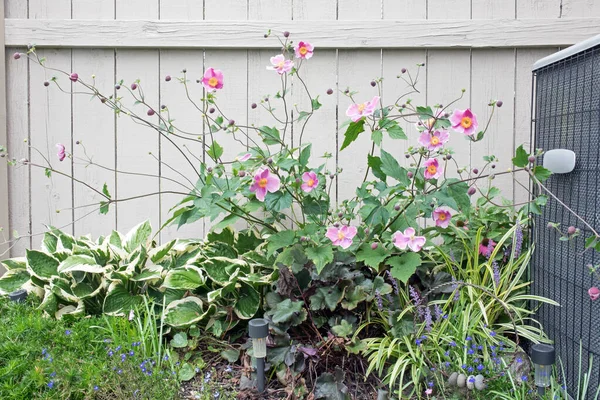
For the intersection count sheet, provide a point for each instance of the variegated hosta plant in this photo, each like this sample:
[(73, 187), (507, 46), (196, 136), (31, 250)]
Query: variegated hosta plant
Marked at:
[(215, 282)]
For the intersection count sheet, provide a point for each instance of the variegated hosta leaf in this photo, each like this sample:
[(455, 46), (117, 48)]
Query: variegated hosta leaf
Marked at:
[(138, 236), (70, 311), (14, 263), (119, 301), (41, 264), (247, 302), (62, 288), (50, 302), (159, 253), (80, 263), (85, 290), (219, 293), (12, 280), (185, 245), (185, 312), (189, 277), (150, 273), (220, 269)]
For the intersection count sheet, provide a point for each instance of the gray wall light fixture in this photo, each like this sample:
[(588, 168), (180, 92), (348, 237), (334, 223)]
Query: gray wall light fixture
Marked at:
[(258, 330), (559, 161)]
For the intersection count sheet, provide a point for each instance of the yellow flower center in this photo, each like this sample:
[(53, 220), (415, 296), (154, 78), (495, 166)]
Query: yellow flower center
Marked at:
[(303, 50), (212, 82), (442, 217), (361, 107), (432, 169), (310, 182), (341, 235), (262, 183), (466, 122), (434, 140), (281, 64)]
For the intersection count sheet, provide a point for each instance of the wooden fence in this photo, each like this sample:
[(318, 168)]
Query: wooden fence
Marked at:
[(484, 46)]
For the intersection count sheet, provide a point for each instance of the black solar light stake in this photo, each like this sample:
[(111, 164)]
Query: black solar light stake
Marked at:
[(258, 330), (542, 356), (18, 296)]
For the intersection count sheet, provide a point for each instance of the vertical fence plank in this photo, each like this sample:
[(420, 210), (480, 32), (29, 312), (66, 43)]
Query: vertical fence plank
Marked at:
[(50, 123), (580, 8), (525, 58), (138, 146), (494, 79), (447, 9), (4, 221), (539, 8), (319, 73), (494, 9), (181, 156), (356, 70), (97, 144), (404, 9)]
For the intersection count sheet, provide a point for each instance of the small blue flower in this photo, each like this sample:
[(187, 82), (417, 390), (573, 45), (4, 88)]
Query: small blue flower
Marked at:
[(166, 358), (447, 353), (118, 348), (430, 384), (418, 342), (207, 377), (470, 369), (96, 388), (107, 340), (110, 353), (480, 347), (228, 368), (149, 373), (471, 351), (502, 373), (216, 395), (480, 367), (131, 353), (53, 374), (464, 366), (44, 351), (469, 338), (197, 369), (123, 357), (67, 332), (492, 334), (177, 363), (524, 378), (519, 360), (447, 363), (472, 379), (50, 384), (492, 347)]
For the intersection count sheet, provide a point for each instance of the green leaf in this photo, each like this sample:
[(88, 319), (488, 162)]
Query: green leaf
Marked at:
[(393, 129), (215, 151), (42, 265), (105, 190), (231, 355), (371, 257), (285, 310), (320, 256), (138, 236), (179, 340), (185, 312), (354, 129), (313, 206), (48, 172), (187, 372), (104, 207), (354, 297), (374, 163), (391, 168), (278, 201), (248, 302), (344, 329), (404, 266), (270, 136), (280, 240), (305, 155), (589, 242), (521, 158), (80, 263), (119, 300), (189, 277), (15, 263), (13, 280), (377, 137), (287, 164), (326, 297), (330, 387), (315, 104), (458, 191), (541, 173)]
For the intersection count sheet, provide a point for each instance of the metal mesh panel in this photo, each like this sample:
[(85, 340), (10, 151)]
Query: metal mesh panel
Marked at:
[(567, 116)]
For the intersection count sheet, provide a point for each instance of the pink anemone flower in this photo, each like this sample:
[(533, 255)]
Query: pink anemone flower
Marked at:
[(280, 64), (213, 79), (244, 157), (441, 217), (60, 152), (486, 247), (310, 181), (405, 239), (594, 293), (464, 121), (304, 50), (357, 111), (341, 237), (433, 170), (433, 141), (264, 182)]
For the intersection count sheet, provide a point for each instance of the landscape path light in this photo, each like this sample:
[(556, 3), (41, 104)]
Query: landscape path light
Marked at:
[(18, 296), (542, 356), (258, 330)]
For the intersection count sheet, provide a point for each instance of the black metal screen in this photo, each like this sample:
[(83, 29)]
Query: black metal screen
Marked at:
[(566, 115)]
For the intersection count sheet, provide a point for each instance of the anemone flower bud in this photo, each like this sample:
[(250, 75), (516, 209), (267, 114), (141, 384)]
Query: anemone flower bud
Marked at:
[(471, 191), (594, 293), (150, 112), (531, 159), (211, 110), (374, 246), (134, 86), (329, 91), (242, 174), (499, 103), (73, 77), (46, 83), (16, 56), (571, 230), (286, 34), (253, 105), (168, 78)]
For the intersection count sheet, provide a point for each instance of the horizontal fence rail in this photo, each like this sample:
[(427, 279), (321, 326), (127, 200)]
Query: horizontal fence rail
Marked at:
[(376, 34)]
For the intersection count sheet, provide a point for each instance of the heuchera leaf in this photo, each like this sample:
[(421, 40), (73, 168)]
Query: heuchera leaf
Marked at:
[(320, 256), (352, 133), (371, 257)]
